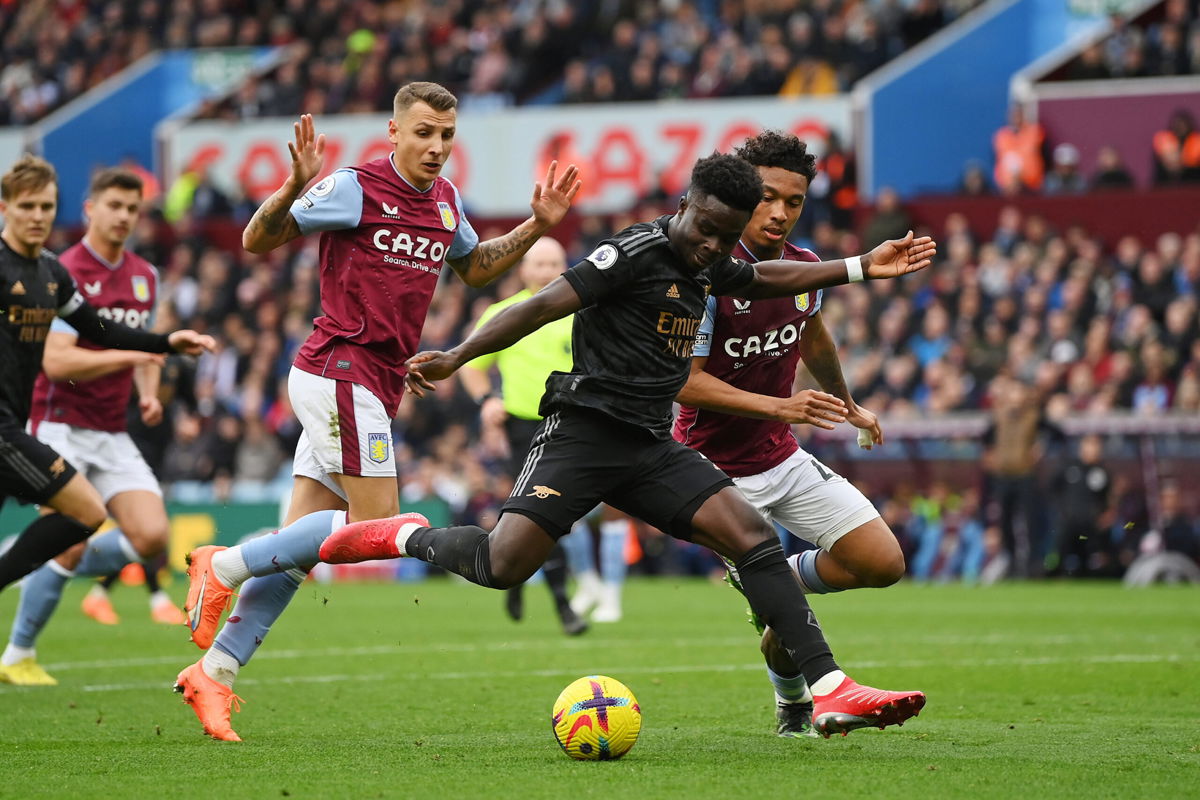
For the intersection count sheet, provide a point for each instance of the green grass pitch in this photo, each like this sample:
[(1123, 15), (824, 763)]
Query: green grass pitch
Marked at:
[(427, 690)]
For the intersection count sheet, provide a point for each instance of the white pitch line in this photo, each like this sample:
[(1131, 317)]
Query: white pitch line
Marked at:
[(558, 645), (1110, 658)]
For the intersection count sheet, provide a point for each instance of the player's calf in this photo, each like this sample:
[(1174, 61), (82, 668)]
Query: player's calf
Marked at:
[(464, 550), (45, 538)]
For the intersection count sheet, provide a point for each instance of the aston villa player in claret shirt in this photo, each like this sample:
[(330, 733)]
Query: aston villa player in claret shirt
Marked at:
[(738, 409), (35, 289), (388, 228), (638, 300)]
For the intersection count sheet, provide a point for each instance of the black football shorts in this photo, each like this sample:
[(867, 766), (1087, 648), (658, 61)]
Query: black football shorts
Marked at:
[(580, 457), (30, 470)]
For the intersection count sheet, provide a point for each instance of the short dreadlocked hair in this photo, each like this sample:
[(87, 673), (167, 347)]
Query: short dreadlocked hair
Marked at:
[(729, 179), (778, 149)]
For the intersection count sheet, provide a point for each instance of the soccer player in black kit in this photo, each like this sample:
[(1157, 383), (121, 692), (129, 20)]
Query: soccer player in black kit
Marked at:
[(607, 431), (34, 289)]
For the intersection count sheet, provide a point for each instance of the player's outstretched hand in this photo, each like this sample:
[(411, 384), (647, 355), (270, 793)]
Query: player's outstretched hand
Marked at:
[(552, 198), (899, 257), (190, 342), (869, 432), (810, 407), (308, 152), (426, 367)]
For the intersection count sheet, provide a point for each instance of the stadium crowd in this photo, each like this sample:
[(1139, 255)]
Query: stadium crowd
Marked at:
[(1167, 43), (347, 57)]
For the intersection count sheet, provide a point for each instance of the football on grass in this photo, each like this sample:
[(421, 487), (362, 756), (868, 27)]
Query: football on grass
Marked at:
[(596, 718)]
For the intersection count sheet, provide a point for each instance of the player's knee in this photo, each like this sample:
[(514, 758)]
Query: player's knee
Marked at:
[(749, 534), (751, 525), (506, 573), (148, 539), (759, 530), (90, 515), (885, 571)]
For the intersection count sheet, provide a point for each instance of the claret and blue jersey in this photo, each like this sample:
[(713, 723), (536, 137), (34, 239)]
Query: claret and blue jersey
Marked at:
[(754, 346), (383, 245)]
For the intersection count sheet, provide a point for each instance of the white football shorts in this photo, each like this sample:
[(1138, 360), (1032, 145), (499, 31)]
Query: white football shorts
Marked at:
[(809, 499), (347, 431), (110, 461)]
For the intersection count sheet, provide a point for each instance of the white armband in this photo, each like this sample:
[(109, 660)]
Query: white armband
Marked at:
[(854, 270)]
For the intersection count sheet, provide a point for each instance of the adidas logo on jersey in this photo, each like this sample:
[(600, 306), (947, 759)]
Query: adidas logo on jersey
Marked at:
[(18, 288), (673, 292)]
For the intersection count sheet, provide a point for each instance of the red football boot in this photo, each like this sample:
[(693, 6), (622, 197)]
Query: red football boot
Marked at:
[(368, 540), (852, 706)]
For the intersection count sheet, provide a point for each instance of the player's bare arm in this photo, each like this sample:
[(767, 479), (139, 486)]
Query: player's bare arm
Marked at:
[(511, 325), (807, 407), (820, 356), (146, 379), (64, 360), (273, 224), (889, 260), (550, 203)]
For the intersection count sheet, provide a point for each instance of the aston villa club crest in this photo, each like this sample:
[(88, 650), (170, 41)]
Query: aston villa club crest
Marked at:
[(141, 289), (448, 221), (377, 447), (802, 302)]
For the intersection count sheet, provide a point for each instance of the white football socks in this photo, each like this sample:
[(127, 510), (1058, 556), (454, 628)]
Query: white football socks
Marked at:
[(402, 535), (220, 666), (828, 682), (230, 568), (14, 654)]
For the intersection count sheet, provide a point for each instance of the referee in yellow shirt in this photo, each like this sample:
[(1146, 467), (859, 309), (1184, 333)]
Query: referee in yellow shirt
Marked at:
[(523, 370)]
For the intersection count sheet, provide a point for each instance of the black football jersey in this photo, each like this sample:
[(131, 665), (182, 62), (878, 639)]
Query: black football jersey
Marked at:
[(632, 340), (33, 291)]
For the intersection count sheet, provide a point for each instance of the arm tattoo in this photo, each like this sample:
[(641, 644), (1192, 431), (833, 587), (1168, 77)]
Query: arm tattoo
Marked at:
[(272, 217), (494, 253)]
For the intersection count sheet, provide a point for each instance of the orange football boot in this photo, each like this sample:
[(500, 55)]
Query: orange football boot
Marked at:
[(211, 701), (97, 606), (207, 597)]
